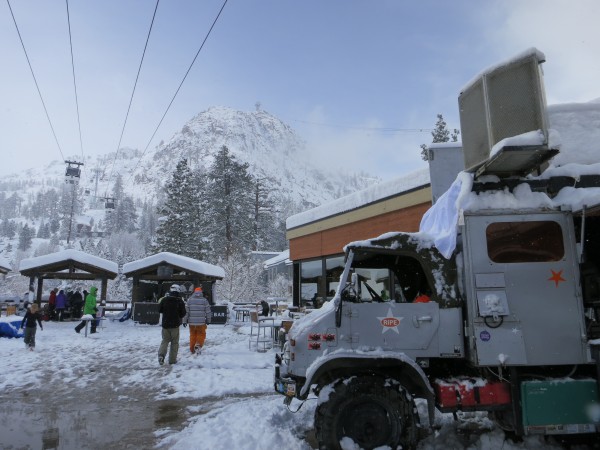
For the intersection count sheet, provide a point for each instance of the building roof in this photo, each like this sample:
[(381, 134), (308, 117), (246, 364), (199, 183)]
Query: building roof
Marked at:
[(282, 257), (361, 199), (5, 266), (182, 262), (64, 259)]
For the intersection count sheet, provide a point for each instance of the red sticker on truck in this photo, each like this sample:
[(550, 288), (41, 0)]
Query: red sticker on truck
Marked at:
[(390, 322)]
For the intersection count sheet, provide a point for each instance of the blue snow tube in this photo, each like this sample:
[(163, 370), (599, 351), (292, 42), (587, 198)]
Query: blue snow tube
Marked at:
[(11, 329), (125, 315)]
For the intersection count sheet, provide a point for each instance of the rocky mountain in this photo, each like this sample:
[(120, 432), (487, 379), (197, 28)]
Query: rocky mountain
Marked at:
[(35, 199), (272, 149)]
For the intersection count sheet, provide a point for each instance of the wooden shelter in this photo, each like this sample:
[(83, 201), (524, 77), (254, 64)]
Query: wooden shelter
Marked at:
[(4, 267), (68, 265), (153, 275)]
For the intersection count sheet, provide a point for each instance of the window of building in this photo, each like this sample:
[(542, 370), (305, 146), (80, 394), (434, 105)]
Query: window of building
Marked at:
[(311, 273), (517, 242), (334, 268)]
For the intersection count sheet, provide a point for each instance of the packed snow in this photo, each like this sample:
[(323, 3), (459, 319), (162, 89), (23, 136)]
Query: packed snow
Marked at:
[(182, 262), (226, 394), (66, 255)]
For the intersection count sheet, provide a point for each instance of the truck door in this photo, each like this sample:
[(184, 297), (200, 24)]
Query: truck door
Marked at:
[(407, 327), (524, 303), (376, 323)]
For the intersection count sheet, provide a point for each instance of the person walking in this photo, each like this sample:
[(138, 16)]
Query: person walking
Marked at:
[(29, 324), (89, 308), (61, 304), (173, 311), (198, 317)]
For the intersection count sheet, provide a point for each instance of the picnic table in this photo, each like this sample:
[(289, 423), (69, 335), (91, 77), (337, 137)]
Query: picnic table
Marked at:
[(243, 310)]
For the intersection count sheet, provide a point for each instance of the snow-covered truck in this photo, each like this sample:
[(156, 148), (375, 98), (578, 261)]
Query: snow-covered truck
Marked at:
[(509, 258)]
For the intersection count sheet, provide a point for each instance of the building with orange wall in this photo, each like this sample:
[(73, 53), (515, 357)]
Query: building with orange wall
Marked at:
[(317, 237)]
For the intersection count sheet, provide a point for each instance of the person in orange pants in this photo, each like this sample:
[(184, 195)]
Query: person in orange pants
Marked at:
[(198, 317)]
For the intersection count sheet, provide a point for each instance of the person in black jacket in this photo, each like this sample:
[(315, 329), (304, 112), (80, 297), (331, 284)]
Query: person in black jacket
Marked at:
[(76, 304), (29, 323), (172, 309)]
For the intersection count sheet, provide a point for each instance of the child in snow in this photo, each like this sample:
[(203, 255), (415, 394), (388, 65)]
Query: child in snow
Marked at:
[(29, 323)]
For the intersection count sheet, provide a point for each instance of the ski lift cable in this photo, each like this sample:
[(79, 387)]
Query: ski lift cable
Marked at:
[(35, 80), (132, 94), (75, 83), (177, 91), (381, 129)]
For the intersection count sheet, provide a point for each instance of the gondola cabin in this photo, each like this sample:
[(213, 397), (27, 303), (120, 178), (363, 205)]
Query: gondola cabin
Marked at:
[(73, 172), (109, 204)]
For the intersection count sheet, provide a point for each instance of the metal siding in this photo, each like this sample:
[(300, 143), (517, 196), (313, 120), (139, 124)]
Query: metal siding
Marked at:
[(548, 317)]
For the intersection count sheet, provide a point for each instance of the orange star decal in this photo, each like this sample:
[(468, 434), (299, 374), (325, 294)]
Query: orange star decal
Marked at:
[(556, 277)]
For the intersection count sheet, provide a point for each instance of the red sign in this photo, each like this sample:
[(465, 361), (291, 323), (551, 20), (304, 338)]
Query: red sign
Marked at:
[(390, 322)]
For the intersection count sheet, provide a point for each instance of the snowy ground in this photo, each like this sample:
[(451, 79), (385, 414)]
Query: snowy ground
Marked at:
[(108, 391)]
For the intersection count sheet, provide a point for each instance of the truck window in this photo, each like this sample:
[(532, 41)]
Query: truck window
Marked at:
[(377, 279), (411, 280), (518, 242), (392, 276)]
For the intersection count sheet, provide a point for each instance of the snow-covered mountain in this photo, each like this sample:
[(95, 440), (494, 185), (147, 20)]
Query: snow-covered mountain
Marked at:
[(271, 148)]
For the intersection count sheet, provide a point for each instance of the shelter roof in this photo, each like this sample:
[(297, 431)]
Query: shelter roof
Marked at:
[(177, 261), (282, 257), (4, 266), (67, 260)]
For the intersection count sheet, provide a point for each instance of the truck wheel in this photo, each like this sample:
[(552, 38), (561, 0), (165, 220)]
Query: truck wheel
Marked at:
[(371, 411)]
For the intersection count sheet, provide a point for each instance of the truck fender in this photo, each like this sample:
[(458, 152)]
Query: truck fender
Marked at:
[(393, 365)]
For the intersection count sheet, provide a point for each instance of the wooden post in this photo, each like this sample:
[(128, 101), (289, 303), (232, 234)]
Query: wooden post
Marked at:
[(40, 287), (135, 290), (104, 288)]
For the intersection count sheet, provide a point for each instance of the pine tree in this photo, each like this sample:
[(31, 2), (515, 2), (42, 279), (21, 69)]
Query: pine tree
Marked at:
[(228, 206), (54, 225), (8, 228), (439, 134), (179, 216), (25, 237), (43, 230), (70, 206), (147, 225), (123, 217), (266, 232)]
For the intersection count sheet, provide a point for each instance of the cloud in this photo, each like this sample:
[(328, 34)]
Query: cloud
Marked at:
[(368, 146), (566, 32)]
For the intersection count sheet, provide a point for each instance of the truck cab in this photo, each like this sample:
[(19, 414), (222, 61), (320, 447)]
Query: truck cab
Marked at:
[(494, 304)]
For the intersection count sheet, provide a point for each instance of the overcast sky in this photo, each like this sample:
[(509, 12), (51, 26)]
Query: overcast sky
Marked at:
[(354, 78)]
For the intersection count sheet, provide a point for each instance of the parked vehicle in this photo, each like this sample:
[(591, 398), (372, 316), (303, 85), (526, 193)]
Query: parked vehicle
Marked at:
[(512, 325)]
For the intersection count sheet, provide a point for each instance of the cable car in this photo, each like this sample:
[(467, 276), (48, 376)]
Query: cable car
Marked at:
[(73, 172), (109, 203)]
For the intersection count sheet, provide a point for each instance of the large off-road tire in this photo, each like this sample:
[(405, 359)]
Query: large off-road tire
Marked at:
[(370, 410)]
